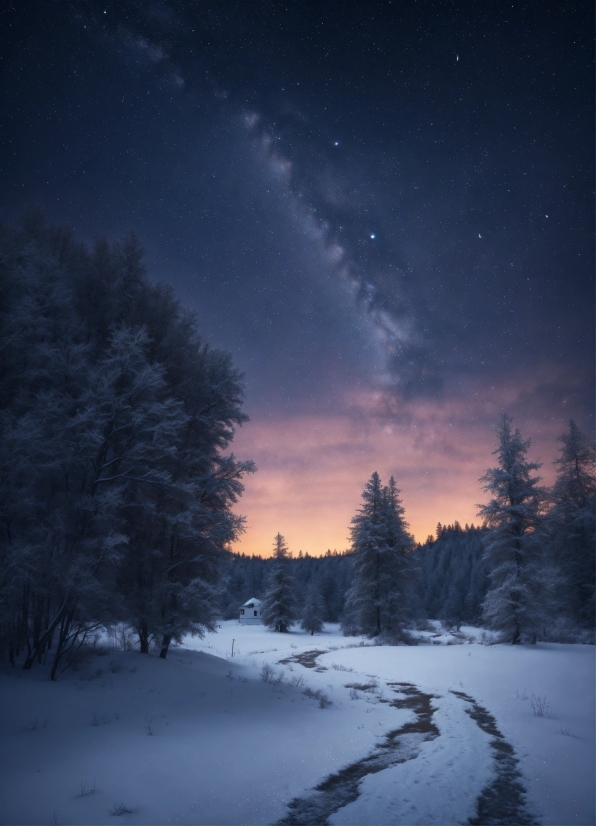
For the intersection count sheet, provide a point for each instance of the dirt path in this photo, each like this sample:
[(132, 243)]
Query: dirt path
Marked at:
[(341, 788), (307, 658), (501, 803), (504, 800)]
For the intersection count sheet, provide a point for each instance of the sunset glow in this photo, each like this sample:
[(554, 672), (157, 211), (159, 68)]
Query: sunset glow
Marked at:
[(311, 469)]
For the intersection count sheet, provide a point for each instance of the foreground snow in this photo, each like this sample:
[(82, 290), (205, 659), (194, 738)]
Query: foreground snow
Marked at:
[(201, 738)]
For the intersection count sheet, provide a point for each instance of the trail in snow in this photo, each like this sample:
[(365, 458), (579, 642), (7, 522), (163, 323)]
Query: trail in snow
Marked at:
[(504, 800), (306, 658), (342, 787)]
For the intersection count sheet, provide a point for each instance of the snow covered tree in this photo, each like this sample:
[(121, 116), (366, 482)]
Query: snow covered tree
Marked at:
[(570, 524), (397, 566), (279, 605), (179, 532), (452, 583), (362, 609), (115, 491), (512, 545), (377, 602), (312, 613)]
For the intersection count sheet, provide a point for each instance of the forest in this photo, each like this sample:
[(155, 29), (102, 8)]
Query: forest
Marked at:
[(117, 487)]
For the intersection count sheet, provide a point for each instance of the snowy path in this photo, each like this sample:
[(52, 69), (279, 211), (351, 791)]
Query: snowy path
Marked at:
[(503, 800), (343, 787), (408, 793)]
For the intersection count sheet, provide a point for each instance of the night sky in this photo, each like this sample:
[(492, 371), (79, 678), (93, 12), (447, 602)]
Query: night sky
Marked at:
[(384, 211)]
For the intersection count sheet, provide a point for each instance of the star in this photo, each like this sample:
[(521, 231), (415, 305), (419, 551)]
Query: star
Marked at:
[(373, 236)]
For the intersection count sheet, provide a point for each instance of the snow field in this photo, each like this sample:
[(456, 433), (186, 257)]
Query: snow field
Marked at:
[(227, 748)]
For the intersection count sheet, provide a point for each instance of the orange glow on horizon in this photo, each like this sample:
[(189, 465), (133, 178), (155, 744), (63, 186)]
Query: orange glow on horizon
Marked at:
[(312, 469)]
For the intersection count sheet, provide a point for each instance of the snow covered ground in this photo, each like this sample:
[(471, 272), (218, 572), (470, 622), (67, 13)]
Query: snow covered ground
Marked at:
[(201, 738)]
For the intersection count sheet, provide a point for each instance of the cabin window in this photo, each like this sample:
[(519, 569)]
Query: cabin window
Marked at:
[(242, 611), (255, 613)]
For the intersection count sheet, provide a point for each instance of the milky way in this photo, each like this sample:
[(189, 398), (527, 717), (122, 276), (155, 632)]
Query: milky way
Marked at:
[(384, 213)]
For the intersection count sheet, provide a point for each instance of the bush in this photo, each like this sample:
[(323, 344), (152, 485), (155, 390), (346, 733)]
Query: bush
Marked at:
[(318, 694), (120, 809), (540, 705), (270, 675)]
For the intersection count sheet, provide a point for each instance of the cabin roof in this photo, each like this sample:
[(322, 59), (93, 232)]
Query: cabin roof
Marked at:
[(257, 603)]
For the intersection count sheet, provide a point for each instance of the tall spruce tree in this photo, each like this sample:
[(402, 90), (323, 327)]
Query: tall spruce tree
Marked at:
[(312, 613), (279, 606), (377, 603), (571, 528), (397, 565), (512, 547)]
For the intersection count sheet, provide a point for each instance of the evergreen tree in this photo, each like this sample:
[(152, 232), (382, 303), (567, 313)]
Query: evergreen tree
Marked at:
[(312, 613), (376, 604), (279, 605), (452, 583), (396, 567), (115, 493), (571, 524), (512, 548)]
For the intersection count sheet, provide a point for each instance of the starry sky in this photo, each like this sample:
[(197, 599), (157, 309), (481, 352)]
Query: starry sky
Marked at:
[(383, 210)]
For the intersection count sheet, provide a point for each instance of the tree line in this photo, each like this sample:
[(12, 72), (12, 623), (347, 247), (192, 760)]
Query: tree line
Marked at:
[(528, 572), (117, 487)]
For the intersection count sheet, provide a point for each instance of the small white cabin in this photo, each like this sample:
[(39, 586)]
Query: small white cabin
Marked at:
[(250, 612)]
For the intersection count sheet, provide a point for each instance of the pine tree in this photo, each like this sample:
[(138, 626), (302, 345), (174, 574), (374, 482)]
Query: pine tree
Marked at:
[(376, 604), (312, 613), (279, 605), (396, 565), (512, 548), (452, 584), (571, 524)]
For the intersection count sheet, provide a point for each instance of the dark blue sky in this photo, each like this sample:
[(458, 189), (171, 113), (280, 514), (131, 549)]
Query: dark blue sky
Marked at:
[(373, 206)]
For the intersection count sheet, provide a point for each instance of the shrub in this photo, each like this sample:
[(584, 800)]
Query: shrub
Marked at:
[(540, 705), (120, 809)]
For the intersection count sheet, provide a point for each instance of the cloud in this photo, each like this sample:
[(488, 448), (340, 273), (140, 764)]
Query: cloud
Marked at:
[(312, 468)]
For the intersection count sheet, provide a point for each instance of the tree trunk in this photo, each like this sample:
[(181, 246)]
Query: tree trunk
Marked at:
[(516, 635), (165, 644), (144, 638), (45, 637), (62, 640)]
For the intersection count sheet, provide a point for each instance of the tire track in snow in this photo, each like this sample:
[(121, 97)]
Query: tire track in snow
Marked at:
[(502, 802), (342, 787)]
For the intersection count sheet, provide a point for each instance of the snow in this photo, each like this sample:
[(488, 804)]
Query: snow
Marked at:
[(558, 768), (228, 748), (440, 785)]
